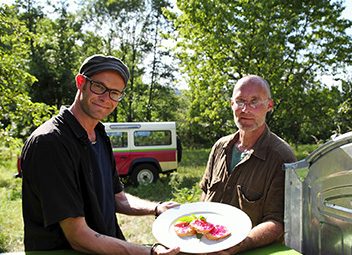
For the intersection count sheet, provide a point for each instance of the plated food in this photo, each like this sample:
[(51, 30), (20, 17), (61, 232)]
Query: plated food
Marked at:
[(235, 222), (198, 226), (218, 232), (184, 229)]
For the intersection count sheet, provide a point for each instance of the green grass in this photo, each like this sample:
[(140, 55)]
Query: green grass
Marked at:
[(180, 186), (11, 225)]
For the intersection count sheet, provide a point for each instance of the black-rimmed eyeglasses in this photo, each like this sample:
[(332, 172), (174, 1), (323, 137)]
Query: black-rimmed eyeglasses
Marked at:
[(99, 89)]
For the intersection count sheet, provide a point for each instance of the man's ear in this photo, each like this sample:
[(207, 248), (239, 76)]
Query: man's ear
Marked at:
[(231, 103), (270, 105), (80, 81)]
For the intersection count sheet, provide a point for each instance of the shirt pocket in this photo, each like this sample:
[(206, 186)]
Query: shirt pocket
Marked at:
[(251, 202)]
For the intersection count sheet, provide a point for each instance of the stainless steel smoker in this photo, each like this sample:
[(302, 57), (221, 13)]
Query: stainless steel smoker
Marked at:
[(318, 200)]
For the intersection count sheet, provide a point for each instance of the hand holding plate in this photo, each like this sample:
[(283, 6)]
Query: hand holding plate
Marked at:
[(162, 207)]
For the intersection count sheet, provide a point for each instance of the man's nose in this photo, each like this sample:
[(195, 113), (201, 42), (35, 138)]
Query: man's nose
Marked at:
[(105, 96), (245, 107)]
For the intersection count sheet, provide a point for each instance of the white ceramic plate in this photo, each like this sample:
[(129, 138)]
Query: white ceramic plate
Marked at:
[(236, 221)]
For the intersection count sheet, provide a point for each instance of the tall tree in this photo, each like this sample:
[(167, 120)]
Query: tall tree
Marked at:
[(287, 42), (18, 115), (343, 118), (131, 31), (121, 26), (54, 52), (162, 70)]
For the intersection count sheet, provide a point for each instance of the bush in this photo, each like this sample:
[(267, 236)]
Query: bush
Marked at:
[(302, 151)]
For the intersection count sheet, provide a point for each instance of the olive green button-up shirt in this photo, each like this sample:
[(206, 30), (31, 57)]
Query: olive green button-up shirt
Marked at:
[(257, 183)]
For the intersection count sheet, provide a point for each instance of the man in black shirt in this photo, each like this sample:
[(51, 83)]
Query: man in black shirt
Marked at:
[(71, 190)]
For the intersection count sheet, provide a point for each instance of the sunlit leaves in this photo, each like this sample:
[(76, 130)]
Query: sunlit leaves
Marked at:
[(287, 42), (18, 115)]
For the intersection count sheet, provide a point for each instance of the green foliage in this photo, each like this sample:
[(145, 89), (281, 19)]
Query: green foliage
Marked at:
[(286, 43), (18, 115), (188, 218), (303, 150), (26, 116), (187, 195), (150, 96), (54, 53), (343, 118), (42, 63), (13, 59), (10, 146), (289, 44)]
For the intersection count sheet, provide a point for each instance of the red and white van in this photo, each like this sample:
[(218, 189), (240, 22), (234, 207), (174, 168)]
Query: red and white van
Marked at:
[(143, 150)]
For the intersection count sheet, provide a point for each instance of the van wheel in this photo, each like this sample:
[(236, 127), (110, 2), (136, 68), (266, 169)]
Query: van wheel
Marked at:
[(144, 174)]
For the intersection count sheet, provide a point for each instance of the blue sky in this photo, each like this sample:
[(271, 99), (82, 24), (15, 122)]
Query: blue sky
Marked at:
[(348, 11)]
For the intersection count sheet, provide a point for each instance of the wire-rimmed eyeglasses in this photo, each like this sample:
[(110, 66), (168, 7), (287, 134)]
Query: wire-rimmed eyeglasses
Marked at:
[(254, 104)]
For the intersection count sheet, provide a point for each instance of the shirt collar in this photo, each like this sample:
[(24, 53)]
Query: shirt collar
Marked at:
[(259, 148), (76, 127)]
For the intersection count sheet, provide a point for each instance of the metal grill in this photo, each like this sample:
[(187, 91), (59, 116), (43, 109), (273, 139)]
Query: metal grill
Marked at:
[(318, 200)]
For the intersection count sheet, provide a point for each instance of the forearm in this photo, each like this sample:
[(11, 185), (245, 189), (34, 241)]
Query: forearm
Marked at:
[(84, 239), (131, 205), (95, 243), (261, 235)]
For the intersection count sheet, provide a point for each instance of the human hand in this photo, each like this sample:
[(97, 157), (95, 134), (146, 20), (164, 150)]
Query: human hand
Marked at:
[(159, 249), (165, 206)]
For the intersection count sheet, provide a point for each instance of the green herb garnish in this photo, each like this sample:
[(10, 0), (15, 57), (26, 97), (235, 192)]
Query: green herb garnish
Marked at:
[(187, 218), (199, 235), (190, 218)]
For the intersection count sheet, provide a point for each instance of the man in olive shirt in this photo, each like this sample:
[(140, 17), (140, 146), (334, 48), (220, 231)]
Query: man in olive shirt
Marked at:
[(245, 169)]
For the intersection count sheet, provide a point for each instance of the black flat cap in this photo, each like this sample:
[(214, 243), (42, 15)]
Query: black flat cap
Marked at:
[(98, 63)]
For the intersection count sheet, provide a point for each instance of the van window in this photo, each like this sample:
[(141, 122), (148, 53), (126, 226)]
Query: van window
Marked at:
[(118, 139), (152, 137)]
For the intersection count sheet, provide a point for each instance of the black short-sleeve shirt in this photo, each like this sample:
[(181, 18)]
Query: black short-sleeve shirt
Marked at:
[(58, 166)]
